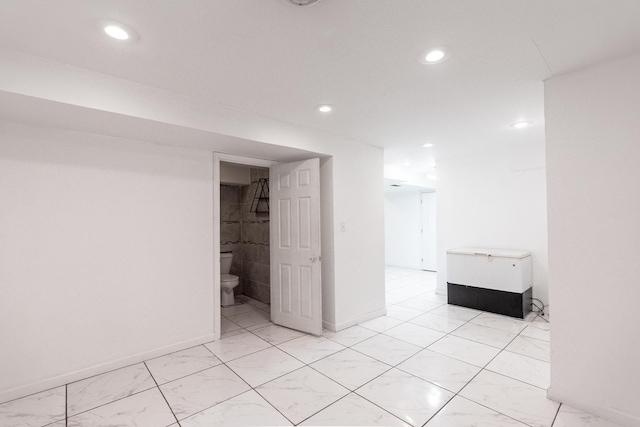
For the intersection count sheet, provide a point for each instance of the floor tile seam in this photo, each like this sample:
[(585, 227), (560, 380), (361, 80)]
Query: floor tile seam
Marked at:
[(230, 360), (527, 336), (248, 354), (417, 345), (497, 329), (485, 367), (448, 317), (168, 354), (510, 342), (285, 341), (382, 361), (282, 342), (556, 415), (54, 422), (465, 361), (37, 392), (517, 379), (362, 397), (272, 379), (272, 405), (404, 320), (325, 407), (261, 325), (406, 422), (112, 401), (179, 420), (316, 360), (397, 366), (498, 354), (217, 403), (479, 403), (349, 346), (530, 337), (360, 386), (437, 330), (525, 355), (480, 342), (489, 408), (162, 394), (431, 382), (109, 371)]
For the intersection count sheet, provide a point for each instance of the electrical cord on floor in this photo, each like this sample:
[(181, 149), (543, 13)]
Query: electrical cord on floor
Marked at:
[(540, 312)]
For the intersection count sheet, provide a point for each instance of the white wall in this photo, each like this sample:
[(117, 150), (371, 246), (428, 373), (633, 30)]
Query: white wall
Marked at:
[(358, 202), (593, 173), (106, 250), (402, 224), (496, 199), (80, 100), (233, 174)]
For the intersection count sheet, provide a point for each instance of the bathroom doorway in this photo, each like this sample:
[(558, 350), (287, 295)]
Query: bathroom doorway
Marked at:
[(244, 246), (294, 263)]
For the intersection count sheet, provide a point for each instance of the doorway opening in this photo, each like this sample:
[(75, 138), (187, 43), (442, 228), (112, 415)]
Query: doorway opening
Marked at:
[(244, 246), (429, 247), (278, 247)]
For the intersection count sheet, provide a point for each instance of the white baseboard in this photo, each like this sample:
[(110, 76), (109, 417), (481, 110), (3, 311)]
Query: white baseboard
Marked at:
[(405, 267), (60, 380), (362, 318), (610, 414)]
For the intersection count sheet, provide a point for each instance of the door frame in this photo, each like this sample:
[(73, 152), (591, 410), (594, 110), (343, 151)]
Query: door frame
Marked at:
[(423, 228), (228, 158)]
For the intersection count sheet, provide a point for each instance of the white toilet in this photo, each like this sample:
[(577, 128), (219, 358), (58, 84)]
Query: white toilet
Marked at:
[(227, 281)]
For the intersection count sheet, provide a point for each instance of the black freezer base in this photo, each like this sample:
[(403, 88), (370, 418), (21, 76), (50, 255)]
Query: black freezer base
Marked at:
[(500, 302)]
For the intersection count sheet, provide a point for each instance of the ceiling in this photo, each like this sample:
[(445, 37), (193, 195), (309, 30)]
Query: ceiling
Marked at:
[(280, 61)]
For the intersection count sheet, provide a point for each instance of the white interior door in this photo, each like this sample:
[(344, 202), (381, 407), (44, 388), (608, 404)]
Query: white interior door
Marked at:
[(296, 298), (429, 231)]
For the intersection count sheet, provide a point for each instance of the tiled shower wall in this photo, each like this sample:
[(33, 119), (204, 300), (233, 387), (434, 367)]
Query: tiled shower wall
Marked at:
[(247, 235), (255, 243)]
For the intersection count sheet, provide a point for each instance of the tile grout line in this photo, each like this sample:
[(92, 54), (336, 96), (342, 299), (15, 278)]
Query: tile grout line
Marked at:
[(346, 347), (249, 385), (113, 401), (161, 393), (355, 392), (479, 372), (377, 333), (481, 368), (556, 416)]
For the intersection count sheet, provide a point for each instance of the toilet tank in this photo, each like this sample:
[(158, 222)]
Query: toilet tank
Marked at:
[(225, 262)]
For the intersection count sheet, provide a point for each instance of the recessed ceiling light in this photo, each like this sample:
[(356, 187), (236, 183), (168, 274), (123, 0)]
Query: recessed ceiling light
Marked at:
[(118, 31), (521, 124), (427, 145), (324, 108), (435, 55), (301, 2)]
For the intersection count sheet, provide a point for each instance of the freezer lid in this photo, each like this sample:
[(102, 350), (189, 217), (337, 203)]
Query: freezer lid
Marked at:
[(501, 253)]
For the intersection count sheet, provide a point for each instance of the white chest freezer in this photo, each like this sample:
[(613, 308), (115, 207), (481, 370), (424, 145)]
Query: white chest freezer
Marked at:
[(494, 280)]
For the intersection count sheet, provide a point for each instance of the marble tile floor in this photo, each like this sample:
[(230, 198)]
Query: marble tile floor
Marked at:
[(423, 364)]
